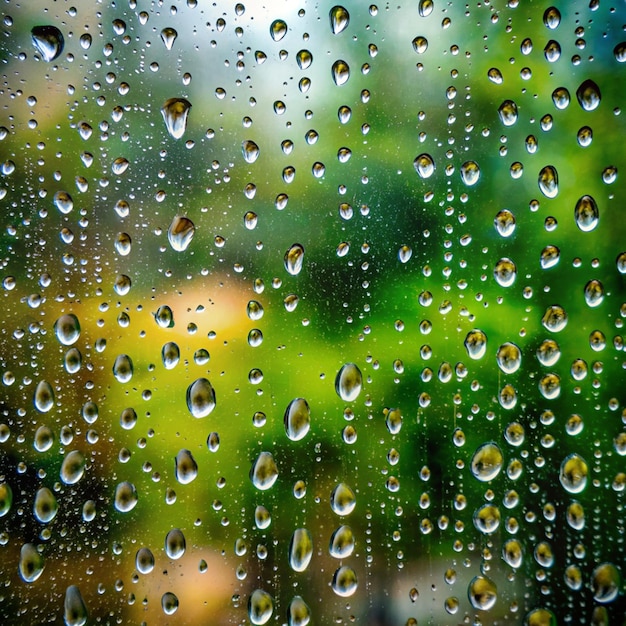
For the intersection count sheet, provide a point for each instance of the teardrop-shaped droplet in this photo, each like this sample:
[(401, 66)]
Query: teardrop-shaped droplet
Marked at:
[(170, 355), (594, 293), (250, 151), (180, 233), (420, 44), (476, 344), (342, 499), (125, 498), (63, 202), (504, 223), (588, 94), (44, 438), (175, 112), (605, 583), (262, 517), (304, 59), (573, 473), (278, 29), (299, 613), (495, 76), (297, 419), (74, 608), (509, 358), (264, 472), (294, 259), (67, 329), (44, 397), (45, 506), (260, 607), (344, 582), (341, 72), (144, 560), (169, 603), (339, 19), (425, 7), (73, 467), (72, 360), (586, 214), (348, 382), (164, 316), (186, 467), (200, 398), (487, 462), (300, 549), (341, 542), (168, 36), (424, 165), (548, 181), (470, 173), (555, 318), (48, 40), (31, 563), (560, 98), (552, 17), (175, 544), (505, 272), (508, 112), (123, 368), (513, 553), (482, 593)]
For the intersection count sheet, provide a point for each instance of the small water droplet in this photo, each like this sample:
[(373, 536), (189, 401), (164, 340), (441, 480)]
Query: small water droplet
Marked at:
[(555, 318), (588, 94), (552, 51), (260, 607), (486, 519), (169, 603), (586, 214), (186, 467), (594, 293), (495, 76), (605, 583), (262, 517), (180, 233), (345, 582), (339, 19), (170, 355), (470, 173), (74, 608), (424, 165), (175, 112), (513, 553), (504, 223), (73, 467), (200, 398), (341, 72), (168, 36), (175, 544), (294, 259), (264, 472), (508, 112), (550, 256), (48, 40), (425, 7), (505, 272), (304, 59), (552, 18), (487, 462), (297, 419), (6, 498), (420, 44), (44, 438), (300, 549), (342, 499), (560, 97), (509, 358), (63, 202)]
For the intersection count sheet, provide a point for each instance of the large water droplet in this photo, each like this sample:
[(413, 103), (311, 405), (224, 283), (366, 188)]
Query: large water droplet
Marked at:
[(486, 519), (586, 214), (123, 368), (6, 498), (342, 499), (294, 258), (470, 173), (504, 223), (508, 112), (345, 581), (63, 202), (509, 358), (505, 272), (420, 44), (48, 40), (250, 151), (299, 613), (262, 517), (588, 94), (186, 467), (555, 318), (297, 419), (200, 398), (605, 582), (594, 293), (125, 498), (548, 181), (300, 549), (44, 438), (175, 112), (341, 542), (540, 617), (476, 344), (67, 329), (170, 355), (260, 607), (425, 7), (169, 603), (175, 544), (487, 462), (180, 233), (45, 506), (512, 553), (73, 467), (482, 593), (560, 97), (348, 382), (339, 19), (264, 472), (278, 29), (31, 563), (44, 397), (341, 72), (168, 36), (424, 165), (552, 17), (573, 473), (144, 560)]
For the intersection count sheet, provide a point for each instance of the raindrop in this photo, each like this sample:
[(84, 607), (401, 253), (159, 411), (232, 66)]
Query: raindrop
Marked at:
[(420, 44), (512, 553), (128, 418), (144, 560), (45, 506), (297, 419), (264, 472), (175, 112), (278, 29), (339, 19), (180, 233), (508, 112), (548, 181), (341, 543), (48, 40), (31, 563), (404, 254), (594, 293), (620, 52), (44, 397), (119, 166), (342, 499), (554, 319), (487, 519), (250, 151), (200, 398), (509, 358), (540, 617), (169, 603), (168, 36), (504, 223), (552, 51), (304, 59), (495, 76), (470, 173), (487, 462), (186, 467), (123, 368), (550, 256), (44, 438), (341, 72), (300, 549), (73, 467), (262, 517), (393, 421), (294, 258), (482, 593), (550, 386), (175, 544), (170, 355), (345, 581), (67, 329), (74, 609), (560, 97), (573, 473), (548, 352), (6, 498), (605, 583), (348, 382), (424, 165), (505, 272), (125, 498), (425, 7), (588, 94), (586, 214), (260, 607), (476, 344), (552, 18), (585, 136), (164, 317), (298, 614), (63, 202)]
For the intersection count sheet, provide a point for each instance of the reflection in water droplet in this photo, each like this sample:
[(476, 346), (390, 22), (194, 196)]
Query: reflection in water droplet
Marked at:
[(6, 498), (487, 462), (74, 608), (44, 397), (250, 151), (504, 223), (512, 553), (260, 607), (505, 272), (549, 181), (262, 517), (294, 259), (170, 355), (605, 582), (554, 319), (264, 472), (560, 97), (304, 59), (348, 382), (470, 173), (550, 256), (509, 358), (299, 613), (341, 72), (508, 112), (573, 473), (31, 563), (588, 94), (175, 112), (200, 398), (48, 40), (186, 467), (67, 329), (300, 549), (540, 617), (586, 214), (424, 165), (180, 233), (594, 293), (175, 544), (73, 467), (425, 7), (168, 36), (345, 582), (341, 543), (552, 51), (487, 519), (342, 499), (476, 344), (552, 17), (45, 506), (125, 497), (420, 44), (169, 603), (63, 202), (144, 561), (482, 593), (123, 368), (297, 419), (44, 438), (339, 19), (278, 29)]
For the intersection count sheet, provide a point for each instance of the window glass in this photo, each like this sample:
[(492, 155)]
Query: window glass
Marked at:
[(313, 313)]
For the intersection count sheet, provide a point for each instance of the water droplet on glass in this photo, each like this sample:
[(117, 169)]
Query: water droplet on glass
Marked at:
[(168, 36), (74, 608), (470, 173), (123, 368), (200, 398), (341, 72), (476, 344), (119, 166), (560, 97), (552, 18), (495, 76), (508, 112), (262, 517), (180, 233), (504, 223), (169, 603), (250, 151), (605, 583), (299, 613), (424, 165), (73, 467), (300, 549), (425, 7), (342, 499), (67, 329), (512, 553), (175, 544), (125, 498), (486, 519), (264, 472), (6, 498), (404, 253), (505, 272), (482, 593), (186, 467), (594, 293), (548, 181), (297, 419), (278, 29), (45, 506), (260, 607), (63, 202), (552, 51), (550, 386), (304, 59), (31, 563), (44, 397), (294, 258), (48, 40), (341, 542), (550, 256), (175, 112), (420, 44), (487, 462), (348, 382), (170, 355), (345, 581), (144, 560), (554, 319), (339, 19), (509, 358), (573, 473), (586, 214), (588, 94), (44, 438)]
